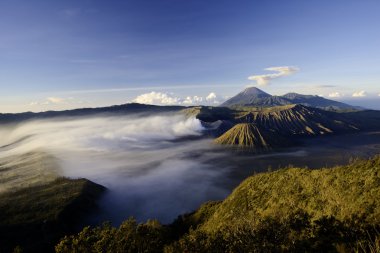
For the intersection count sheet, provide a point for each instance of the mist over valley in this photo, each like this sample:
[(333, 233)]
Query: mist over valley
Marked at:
[(154, 166)]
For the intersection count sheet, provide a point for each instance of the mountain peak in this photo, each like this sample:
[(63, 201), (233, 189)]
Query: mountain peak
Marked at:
[(249, 135), (253, 91), (247, 96), (253, 96)]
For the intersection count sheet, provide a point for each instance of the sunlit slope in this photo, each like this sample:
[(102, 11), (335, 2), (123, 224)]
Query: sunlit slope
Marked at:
[(250, 136), (341, 192)]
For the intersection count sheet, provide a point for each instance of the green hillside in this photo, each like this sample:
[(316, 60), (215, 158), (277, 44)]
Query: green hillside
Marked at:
[(341, 192), (290, 210)]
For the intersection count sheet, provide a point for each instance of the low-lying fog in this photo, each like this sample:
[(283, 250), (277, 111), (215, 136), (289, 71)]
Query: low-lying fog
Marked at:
[(154, 166)]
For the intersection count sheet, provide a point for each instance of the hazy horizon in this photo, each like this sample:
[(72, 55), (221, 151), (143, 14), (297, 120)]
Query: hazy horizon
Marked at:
[(371, 103)]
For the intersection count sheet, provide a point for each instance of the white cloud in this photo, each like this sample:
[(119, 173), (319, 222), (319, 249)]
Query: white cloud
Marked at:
[(262, 80), (55, 100), (212, 98), (361, 93), (157, 98), (335, 95), (192, 100)]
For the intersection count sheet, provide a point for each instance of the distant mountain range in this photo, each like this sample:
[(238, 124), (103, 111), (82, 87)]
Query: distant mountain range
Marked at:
[(124, 109), (253, 96), (252, 119), (280, 126)]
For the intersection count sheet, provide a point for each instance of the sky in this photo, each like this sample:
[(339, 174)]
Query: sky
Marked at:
[(57, 55)]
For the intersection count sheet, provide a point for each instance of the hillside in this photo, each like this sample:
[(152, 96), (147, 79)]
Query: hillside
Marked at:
[(341, 192), (293, 210), (265, 129), (37, 216), (255, 97), (298, 120), (248, 135), (131, 108), (289, 210)]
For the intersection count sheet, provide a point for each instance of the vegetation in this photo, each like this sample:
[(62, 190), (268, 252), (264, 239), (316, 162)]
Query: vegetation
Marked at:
[(290, 210), (34, 218)]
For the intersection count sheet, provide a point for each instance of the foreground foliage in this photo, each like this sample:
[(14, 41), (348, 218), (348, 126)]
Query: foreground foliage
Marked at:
[(290, 210)]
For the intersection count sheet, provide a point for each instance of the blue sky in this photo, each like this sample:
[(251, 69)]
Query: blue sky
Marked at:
[(67, 54)]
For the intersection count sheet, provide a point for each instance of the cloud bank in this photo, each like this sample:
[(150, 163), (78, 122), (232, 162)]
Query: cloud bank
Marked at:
[(159, 98), (283, 71), (361, 93), (335, 95), (153, 166)]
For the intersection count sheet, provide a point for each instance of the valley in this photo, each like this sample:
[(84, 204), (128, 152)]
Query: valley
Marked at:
[(159, 162)]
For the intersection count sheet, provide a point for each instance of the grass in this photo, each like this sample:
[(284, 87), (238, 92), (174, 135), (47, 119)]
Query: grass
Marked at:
[(341, 192)]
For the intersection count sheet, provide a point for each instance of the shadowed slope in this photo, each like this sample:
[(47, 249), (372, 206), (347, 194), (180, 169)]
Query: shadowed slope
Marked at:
[(36, 217)]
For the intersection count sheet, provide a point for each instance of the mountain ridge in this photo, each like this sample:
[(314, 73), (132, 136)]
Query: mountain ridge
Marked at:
[(253, 96)]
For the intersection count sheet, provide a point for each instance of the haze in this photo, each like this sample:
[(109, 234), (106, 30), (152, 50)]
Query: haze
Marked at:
[(147, 163), (154, 166)]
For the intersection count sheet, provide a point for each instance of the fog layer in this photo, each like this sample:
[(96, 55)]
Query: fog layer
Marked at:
[(153, 166), (149, 164)]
